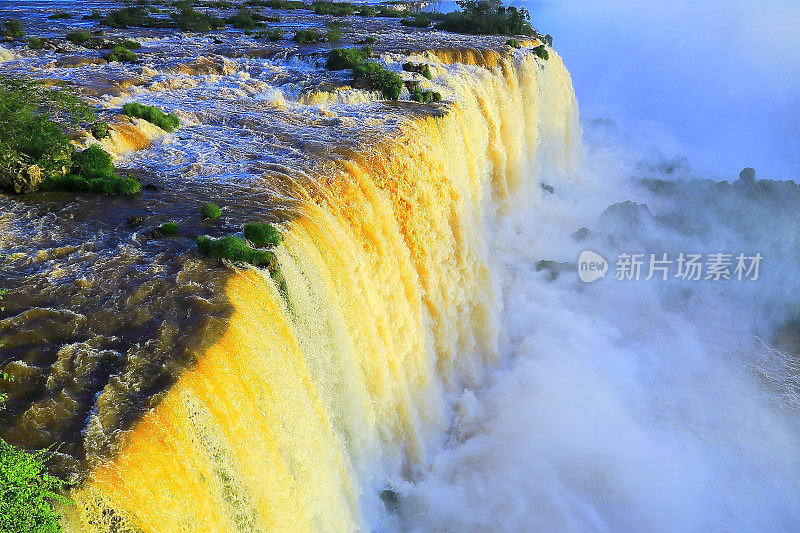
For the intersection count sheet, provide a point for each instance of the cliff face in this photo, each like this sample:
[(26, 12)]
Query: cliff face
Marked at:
[(296, 415)]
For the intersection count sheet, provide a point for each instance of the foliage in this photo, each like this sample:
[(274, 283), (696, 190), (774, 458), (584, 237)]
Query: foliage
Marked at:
[(95, 15), (60, 15), (78, 37), (337, 9), (367, 40), (272, 35), (130, 45), (487, 17), (168, 228), (542, 52), (425, 96), (93, 171), (420, 20), (366, 11), (234, 249), (262, 234), (279, 4), (379, 79), (120, 53), (306, 36), (334, 34), (344, 58), (548, 40), (188, 19), (513, 43), (100, 130), (33, 119), (245, 19), (134, 16), (421, 69), (35, 43), (167, 122), (12, 28), (27, 493), (210, 210)]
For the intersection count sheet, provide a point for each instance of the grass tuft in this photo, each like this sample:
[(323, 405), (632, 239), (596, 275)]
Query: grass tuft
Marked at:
[(262, 234), (166, 121)]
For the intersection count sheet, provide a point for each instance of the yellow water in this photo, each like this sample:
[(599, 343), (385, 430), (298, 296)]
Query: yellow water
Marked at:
[(297, 415)]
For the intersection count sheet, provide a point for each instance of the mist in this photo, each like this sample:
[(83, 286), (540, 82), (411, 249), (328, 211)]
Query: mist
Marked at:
[(716, 81)]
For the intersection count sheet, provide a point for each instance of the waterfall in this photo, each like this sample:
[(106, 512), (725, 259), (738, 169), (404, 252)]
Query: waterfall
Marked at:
[(295, 417)]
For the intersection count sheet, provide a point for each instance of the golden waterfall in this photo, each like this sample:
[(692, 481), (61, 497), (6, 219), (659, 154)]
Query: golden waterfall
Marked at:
[(295, 418)]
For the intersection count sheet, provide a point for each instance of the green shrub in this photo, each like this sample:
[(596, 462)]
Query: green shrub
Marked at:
[(167, 122), (306, 36), (279, 4), (513, 43), (210, 210), (168, 228), (344, 58), (235, 249), (334, 34), (130, 45), (120, 53), (262, 234), (60, 15), (93, 171), (379, 79), (367, 40), (548, 39), (95, 15), (34, 43), (245, 19), (272, 35), (487, 17), (542, 52), (78, 37), (12, 28), (366, 11), (422, 69), (274, 18), (337, 9), (134, 16), (94, 162), (419, 20), (425, 96), (28, 494), (188, 19)]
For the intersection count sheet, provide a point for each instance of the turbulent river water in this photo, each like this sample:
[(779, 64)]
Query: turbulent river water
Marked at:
[(434, 363)]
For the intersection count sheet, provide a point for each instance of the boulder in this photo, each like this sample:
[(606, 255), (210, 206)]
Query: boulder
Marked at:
[(22, 179)]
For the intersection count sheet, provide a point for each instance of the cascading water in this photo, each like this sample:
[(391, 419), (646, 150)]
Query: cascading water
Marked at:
[(296, 417)]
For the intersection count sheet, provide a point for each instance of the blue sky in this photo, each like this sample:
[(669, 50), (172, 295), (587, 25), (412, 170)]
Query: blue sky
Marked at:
[(715, 80)]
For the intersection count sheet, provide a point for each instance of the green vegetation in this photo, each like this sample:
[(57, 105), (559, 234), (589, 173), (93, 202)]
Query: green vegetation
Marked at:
[(11, 28), (235, 249), (367, 40), (306, 36), (548, 40), (513, 43), (246, 19), (60, 15), (337, 9), (487, 17), (168, 228), (334, 34), (421, 69), (134, 16), (33, 119), (188, 19), (272, 35), (262, 234), (130, 45), (379, 79), (95, 15), (78, 37), (420, 20), (365, 11), (34, 43), (344, 58), (542, 52), (120, 53), (93, 171), (100, 130), (167, 122), (210, 210), (425, 96)]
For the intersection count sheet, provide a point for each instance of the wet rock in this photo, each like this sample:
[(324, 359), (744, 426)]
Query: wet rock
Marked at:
[(151, 187), (135, 221), (548, 188), (554, 268), (22, 179), (748, 175)]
